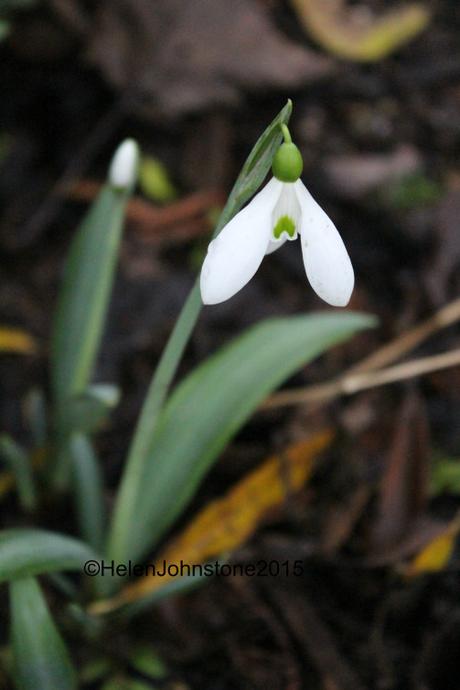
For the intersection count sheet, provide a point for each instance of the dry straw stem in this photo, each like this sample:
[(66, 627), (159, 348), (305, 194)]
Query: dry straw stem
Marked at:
[(369, 372)]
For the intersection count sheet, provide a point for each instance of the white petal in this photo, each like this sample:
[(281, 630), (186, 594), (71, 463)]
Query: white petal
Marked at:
[(273, 245), (326, 260), (237, 252), (287, 207)]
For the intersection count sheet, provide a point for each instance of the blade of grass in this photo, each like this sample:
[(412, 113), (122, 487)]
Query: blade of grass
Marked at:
[(251, 177)]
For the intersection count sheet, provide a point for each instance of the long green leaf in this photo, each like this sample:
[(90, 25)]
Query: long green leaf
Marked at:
[(81, 309), (85, 293), (209, 407), (26, 552), (40, 657), (88, 490), (249, 180)]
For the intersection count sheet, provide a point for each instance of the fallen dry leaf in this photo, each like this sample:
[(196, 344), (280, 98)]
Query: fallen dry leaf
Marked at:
[(353, 176), (354, 33), (226, 523), (422, 532), (436, 555), (178, 57), (17, 341)]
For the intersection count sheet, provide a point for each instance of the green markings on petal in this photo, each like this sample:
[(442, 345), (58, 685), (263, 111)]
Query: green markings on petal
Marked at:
[(284, 225)]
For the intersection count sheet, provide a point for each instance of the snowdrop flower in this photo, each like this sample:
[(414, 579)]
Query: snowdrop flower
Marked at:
[(281, 212), (123, 168)]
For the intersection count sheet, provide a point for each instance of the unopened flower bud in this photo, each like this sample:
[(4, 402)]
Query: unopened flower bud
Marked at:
[(123, 168)]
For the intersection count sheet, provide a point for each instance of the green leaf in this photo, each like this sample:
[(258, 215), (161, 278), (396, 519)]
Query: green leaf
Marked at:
[(95, 670), (19, 463), (258, 162), (146, 661), (36, 416), (87, 412), (82, 308), (209, 407), (88, 490), (84, 295), (154, 180), (40, 657), (249, 180), (26, 552), (411, 192), (445, 476)]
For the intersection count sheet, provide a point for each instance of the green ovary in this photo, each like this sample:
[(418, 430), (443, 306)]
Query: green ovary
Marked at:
[(284, 224)]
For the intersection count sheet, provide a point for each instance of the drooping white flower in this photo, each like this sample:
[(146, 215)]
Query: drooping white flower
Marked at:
[(282, 211)]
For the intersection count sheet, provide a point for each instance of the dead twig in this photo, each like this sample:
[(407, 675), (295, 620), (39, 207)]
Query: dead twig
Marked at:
[(347, 385), (369, 372), (406, 342)]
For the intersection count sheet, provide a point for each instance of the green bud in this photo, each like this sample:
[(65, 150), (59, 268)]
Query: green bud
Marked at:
[(287, 163)]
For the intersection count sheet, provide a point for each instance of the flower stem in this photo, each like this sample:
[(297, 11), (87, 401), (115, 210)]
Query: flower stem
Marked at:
[(286, 134)]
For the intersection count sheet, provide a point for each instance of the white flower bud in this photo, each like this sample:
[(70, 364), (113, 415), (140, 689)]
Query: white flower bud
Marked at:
[(123, 168)]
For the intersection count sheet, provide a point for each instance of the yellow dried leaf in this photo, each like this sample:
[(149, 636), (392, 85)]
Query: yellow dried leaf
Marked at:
[(226, 523), (354, 34), (436, 554), (16, 340)]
